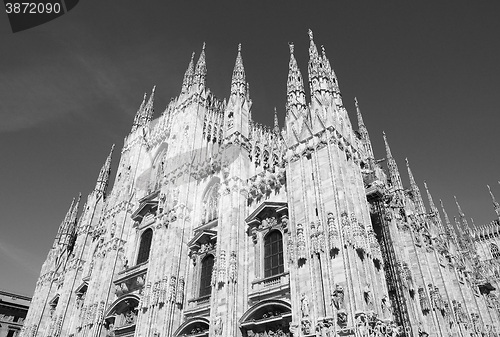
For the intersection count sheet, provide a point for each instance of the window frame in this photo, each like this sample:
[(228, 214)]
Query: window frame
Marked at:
[(267, 256), (204, 287), (141, 249)]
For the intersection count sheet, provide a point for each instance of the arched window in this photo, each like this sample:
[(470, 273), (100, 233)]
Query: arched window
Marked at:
[(494, 251), (273, 254), (207, 266), (211, 203), (145, 246)]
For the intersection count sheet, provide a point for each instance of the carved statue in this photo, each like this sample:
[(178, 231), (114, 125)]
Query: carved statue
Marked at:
[(218, 326), (368, 294), (304, 305), (111, 330), (338, 297), (130, 317), (361, 326), (386, 304)]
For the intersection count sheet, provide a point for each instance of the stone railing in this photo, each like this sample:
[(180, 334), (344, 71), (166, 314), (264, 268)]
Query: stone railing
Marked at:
[(270, 285)]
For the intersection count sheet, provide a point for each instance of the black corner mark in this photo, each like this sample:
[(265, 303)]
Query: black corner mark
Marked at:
[(70, 4), (25, 14)]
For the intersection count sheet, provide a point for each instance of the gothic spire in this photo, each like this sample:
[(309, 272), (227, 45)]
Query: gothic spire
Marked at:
[(495, 203), (295, 85), (238, 83), (434, 213), (417, 197), (276, 124), (200, 72), (448, 226), (433, 207), (139, 114), (314, 60), (458, 206), (188, 76), (63, 227), (465, 225), (316, 71), (363, 131), (73, 216), (149, 108), (330, 73), (103, 179), (393, 167), (358, 113)]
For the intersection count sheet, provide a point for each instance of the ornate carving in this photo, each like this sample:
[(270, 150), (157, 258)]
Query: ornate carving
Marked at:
[(333, 233), (424, 301), (358, 233), (291, 250), (346, 228), (222, 267), (130, 316), (171, 289), (306, 326), (301, 242), (179, 297), (233, 265)]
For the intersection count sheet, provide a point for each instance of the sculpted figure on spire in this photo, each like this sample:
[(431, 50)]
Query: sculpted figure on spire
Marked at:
[(238, 83)]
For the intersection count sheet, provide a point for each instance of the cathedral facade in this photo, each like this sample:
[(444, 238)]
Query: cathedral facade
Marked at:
[(218, 226)]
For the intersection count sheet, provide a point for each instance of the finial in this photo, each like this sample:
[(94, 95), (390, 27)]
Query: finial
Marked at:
[(203, 47), (387, 148), (495, 203), (459, 208), (154, 88), (323, 49), (239, 46), (192, 56), (276, 124), (310, 32), (356, 102), (291, 46), (407, 163)]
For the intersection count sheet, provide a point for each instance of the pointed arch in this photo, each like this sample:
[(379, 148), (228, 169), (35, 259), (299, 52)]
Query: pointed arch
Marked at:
[(195, 326), (158, 166), (251, 313), (129, 299), (267, 315), (210, 201), (121, 315)]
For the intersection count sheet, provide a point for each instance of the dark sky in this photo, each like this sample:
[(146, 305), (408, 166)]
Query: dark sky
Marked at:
[(427, 74)]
